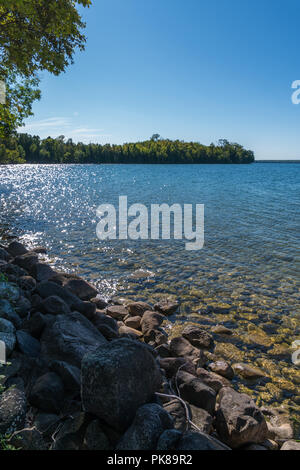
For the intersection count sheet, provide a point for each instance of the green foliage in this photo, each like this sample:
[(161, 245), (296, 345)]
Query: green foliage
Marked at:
[(34, 35), (34, 150), (3, 277), (4, 443)]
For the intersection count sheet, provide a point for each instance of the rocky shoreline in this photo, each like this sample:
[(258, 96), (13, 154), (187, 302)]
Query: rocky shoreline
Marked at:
[(86, 374)]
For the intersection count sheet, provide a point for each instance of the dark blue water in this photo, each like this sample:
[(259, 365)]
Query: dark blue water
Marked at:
[(248, 264)]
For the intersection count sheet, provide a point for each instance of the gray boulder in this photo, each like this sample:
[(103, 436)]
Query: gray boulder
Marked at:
[(151, 320), (12, 410), (212, 380), (138, 308), (69, 338), (291, 445), (116, 379), (27, 344), (238, 420), (181, 347), (150, 422), (7, 312), (198, 337), (95, 438), (47, 393), (166, 307), (16, 249), (70, 375), (42, 272), (222, 368), (54, 305), (195, 392)]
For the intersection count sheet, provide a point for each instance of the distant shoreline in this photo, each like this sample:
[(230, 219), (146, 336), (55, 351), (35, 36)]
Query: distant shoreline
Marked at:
[(276, 161)]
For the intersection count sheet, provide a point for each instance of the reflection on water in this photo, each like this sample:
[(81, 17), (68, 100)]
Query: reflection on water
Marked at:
[(244, 278)]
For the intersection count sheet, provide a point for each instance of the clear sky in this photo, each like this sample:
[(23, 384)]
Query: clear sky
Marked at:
[(189, 69)]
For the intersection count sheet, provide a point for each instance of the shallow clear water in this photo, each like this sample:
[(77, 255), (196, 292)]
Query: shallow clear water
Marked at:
[(245, 277)]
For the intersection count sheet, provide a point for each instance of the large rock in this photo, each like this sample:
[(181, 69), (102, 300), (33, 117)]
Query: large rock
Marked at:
[(95, 438), (166, 307), (169, 439), (199, 441), (26, 261), (76, 285), (70, 375), (212, 380), (222, 368), (172, 364), (4, 256), (42, 272), (54, 305), (7, 312), (69, 338), (133, 322), (138, 308), (198, 337), (12, 410), (16, 249), (35, 324), (248, 372), (291, 445), (202, 419), (149, 423), (118, 312), (194, 391), (151, 320), (178, 412), (180, 347), (9, 291), (27, 283), (27, 344), (47, 393), (238, 420), (117, 378), (48, 288)]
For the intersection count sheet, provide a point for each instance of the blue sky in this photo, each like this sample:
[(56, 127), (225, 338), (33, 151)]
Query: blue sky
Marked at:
[(194, 70)]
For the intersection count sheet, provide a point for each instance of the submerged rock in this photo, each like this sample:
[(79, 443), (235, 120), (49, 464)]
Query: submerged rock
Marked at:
[(238, 420), (117, 378)]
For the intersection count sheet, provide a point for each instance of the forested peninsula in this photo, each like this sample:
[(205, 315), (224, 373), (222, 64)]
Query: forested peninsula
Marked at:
[(24, 148)]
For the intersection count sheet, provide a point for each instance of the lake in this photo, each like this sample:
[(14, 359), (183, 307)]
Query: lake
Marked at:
[(245, 277)]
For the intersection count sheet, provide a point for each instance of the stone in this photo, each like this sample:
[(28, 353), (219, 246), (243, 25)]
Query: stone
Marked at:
[(23, 307), (279, 424), (70, 435), (151, 320), (95, 438), (99, 302), (222, 368), (46, 423), (81, 288), (108, 332), (127, 331), (199, 441), (116, 379), (35, 325), (198, 337), (27, 344), (291, 445), (138, 308), (169, 439), (212, 380), (54, 305), (48, 288), (28, 439), (118, 312), (40, 250), (42, 272), (70, 375), (171, 365), (133, 322), (195, 392), (9, 340), (150, 421), (9, 291), (238, 420), (156, 337), (47, 393), (4, 256), (6, 326), (163, 350), (101, 318), (12, 410), (88, 309), (7, 312), (180, 347), (26, 261), (221, 330), (248, 372), (69, 338), (201, 418), (178, 412), (166, 307), (16, 249)]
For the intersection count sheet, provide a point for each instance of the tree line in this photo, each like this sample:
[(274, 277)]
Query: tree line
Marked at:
[(24, 148)]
